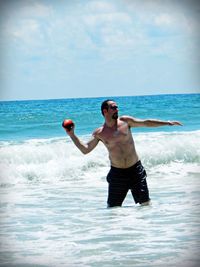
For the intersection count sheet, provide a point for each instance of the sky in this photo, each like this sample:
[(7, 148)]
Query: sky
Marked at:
[(91, 48)]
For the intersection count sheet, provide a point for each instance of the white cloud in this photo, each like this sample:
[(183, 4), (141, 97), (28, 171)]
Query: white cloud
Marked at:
[(100, 19), (24, 21), (30, 9), (25, 35), (182, 16), (99, 7), (110, 29), (177, 22), (98, 27), (55, 40), (163, 20), (26, 29)]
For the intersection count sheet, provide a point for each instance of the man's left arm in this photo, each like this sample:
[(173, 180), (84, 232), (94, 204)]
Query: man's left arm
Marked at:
[(135, 122)]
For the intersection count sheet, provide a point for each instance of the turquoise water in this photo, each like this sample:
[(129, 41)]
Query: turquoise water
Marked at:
[(42, 118), (53, 199)]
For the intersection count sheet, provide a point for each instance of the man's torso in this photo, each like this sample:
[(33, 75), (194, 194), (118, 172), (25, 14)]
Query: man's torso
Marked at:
[(119, 142)]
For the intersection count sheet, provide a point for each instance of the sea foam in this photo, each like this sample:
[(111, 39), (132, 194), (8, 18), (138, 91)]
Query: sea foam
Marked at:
[(58, 158)]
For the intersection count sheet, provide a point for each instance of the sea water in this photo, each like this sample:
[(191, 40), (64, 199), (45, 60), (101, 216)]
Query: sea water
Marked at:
[(53, 198)]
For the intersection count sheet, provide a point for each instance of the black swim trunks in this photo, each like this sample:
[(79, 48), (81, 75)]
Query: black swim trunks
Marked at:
[(121, 180)]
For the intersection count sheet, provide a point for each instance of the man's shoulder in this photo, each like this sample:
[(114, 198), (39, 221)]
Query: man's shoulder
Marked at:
[(125, 118), (98, 131)]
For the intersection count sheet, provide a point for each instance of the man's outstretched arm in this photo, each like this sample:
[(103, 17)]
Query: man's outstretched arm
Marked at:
[(134, 122)]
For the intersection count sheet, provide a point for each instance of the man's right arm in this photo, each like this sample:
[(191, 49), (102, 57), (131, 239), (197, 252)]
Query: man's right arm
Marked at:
[(85, 148)]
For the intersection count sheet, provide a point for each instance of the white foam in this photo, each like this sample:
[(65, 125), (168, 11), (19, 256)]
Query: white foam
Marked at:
[(163, 148), (53, 204), (47, 159)]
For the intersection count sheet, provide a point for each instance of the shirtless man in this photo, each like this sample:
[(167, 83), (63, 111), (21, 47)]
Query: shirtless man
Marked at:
[(126, 170)]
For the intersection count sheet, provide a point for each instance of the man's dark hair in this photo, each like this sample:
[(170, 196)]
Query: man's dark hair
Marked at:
[(105, 105)]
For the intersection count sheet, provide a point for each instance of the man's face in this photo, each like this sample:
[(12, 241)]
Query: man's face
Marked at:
[(113, 110)]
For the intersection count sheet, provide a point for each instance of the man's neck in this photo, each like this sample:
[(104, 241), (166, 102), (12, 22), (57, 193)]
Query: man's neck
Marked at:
[(110, 123)]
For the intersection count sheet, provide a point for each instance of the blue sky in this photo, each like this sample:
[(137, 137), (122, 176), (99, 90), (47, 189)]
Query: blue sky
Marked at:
[(88, 48)]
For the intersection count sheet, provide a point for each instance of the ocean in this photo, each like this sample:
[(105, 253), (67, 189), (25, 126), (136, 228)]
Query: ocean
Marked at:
[(53, 209)]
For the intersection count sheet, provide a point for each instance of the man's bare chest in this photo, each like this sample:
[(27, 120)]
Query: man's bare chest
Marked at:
[(115, 135)]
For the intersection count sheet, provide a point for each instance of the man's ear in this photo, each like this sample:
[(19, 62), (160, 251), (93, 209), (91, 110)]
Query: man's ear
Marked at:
[(105, 111)]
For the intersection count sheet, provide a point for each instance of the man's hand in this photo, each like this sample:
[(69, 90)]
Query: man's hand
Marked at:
[(71, 131), (69, 126), (172, 123)]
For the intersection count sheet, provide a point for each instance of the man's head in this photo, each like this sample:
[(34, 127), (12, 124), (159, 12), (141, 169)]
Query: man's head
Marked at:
[(109, 108)]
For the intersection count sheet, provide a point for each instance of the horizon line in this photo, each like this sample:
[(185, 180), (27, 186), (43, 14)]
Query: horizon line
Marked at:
[(92, 97)]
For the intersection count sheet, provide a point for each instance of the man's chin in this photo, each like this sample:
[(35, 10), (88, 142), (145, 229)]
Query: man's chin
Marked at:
[(115, 116)]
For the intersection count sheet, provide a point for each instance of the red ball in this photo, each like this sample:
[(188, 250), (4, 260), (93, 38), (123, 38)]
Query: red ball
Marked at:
[(68, 124)]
